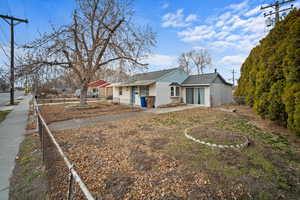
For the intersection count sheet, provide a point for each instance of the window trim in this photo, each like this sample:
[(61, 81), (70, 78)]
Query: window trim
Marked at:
[(173, 91)]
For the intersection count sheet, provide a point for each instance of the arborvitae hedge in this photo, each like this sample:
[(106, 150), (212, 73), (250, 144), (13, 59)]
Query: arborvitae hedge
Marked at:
[(270, 76)]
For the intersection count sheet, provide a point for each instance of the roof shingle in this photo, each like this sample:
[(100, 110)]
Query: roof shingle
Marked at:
[(202, 79)]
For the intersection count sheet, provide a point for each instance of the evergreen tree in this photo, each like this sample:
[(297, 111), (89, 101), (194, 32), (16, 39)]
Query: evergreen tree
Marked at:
[(270, 76)]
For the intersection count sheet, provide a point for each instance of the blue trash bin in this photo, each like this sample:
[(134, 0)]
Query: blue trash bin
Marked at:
[(143, 102)]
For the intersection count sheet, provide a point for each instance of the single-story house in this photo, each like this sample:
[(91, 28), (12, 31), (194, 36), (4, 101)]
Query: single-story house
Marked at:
[(99, 88), (174, 85)]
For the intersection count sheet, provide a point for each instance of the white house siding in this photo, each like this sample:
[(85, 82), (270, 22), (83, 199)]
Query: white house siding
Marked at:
[(162, 90), (126, 94), (221, 94), (152, 89), (162, 93), (206, 94), (125, 97)]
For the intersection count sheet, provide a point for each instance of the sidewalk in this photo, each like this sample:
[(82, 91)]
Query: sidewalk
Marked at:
[(12, 130), (171, 109)]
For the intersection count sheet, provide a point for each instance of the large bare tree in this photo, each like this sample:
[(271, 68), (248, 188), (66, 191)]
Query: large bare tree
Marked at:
[(198, 59), (101, 34)]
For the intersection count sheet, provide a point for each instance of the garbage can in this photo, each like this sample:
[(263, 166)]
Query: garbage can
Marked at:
[(143, 102), (150, 101)]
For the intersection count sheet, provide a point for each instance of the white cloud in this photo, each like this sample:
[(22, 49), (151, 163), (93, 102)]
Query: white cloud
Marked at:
[(235, 60), (174, 19), (233, 30), (225, 16), (178, 19), (198, 48), (222, 45), (219, 23), (191, 17), (161, 60), (197, 33), (238, 6), (222, 34), (233, 37), (253, 11)]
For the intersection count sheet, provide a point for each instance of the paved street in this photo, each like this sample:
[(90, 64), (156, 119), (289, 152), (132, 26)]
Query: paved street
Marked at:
[(12, 130), (4, 97)]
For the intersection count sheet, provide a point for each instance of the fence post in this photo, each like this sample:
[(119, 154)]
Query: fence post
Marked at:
[(43, 143), (39, 127), (70, 186)]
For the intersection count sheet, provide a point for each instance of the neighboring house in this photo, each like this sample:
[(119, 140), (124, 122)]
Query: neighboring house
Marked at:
[(64, 88), (99, 89), (174, 85)]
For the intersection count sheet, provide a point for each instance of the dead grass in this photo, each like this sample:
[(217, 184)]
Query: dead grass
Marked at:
[(61, 112), (3, 114), (149, 158), (29, 179)]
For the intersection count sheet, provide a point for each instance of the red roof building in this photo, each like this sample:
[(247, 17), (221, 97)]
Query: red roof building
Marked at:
[(99, 89), (97, 83)]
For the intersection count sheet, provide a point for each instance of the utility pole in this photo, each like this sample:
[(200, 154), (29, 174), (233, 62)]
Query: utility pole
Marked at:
[(11, 21), (233, 80), (276, 7)]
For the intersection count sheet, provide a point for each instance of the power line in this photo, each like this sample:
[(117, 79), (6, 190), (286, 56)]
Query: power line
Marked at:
[(4, 51), (276, 12)]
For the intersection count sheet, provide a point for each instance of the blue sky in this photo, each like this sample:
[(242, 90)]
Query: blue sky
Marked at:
[(228, 29)]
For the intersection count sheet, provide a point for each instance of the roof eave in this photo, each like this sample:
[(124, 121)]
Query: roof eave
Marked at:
[(191, 84)]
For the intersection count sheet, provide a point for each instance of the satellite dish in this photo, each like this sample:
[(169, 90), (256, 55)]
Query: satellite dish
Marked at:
[(269, 21)]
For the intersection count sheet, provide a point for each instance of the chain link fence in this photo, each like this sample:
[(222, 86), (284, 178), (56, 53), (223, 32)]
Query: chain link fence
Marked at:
[(64, 181), (240, 100)]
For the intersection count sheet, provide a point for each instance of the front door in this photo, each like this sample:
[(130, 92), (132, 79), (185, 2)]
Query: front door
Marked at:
[(133, 91), (190, 95)]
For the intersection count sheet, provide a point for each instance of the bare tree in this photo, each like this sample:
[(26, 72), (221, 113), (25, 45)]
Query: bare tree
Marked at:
[(201, 59), (102, 32), (4, 79), (184, 62), (198, 59)]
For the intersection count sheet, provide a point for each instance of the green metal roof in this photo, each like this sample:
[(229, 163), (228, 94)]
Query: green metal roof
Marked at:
[(148, 76), (155, 75)]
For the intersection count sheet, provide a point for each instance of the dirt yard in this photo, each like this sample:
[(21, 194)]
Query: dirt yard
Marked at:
[(61, 112), (150, 158)]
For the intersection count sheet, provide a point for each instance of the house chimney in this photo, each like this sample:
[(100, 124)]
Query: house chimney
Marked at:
[(215, 70)]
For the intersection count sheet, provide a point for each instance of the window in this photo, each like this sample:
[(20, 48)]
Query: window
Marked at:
[(95, 90), (120, 91), (144, 91), (175, 91), (172, 91)]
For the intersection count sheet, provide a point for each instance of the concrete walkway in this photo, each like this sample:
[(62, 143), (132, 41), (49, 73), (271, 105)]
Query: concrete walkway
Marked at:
[(12, 130), (171, 109), (77, 123)]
